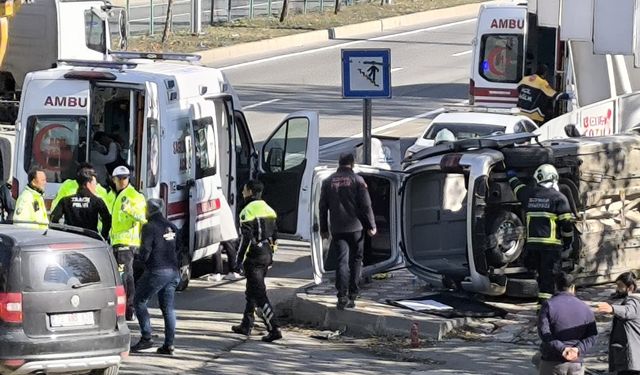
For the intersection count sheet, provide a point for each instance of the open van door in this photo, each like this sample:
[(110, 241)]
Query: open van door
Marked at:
[(210, 218), (381, 251), (287, 160), (150, 146)]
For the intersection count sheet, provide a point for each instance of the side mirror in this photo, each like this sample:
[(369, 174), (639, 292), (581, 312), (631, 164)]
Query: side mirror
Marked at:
[(571, 131), (275, 159)]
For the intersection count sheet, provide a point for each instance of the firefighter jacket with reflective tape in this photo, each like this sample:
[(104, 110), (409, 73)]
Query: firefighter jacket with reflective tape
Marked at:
[(30, 208), (128, 214), (258, 230), (548, 214), (535, 97)]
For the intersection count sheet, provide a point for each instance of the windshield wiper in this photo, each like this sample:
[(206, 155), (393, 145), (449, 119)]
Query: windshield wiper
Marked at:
[(78, 286)]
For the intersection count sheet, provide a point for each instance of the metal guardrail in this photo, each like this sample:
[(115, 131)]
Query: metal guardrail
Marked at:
[(149, 18)]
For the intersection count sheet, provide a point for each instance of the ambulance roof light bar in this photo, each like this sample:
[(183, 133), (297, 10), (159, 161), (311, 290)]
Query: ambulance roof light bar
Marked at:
[(99, 64), (480, 109), (188, 57)]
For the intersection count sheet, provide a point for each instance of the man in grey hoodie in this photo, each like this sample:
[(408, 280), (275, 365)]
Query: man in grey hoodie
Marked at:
[(624, 342)]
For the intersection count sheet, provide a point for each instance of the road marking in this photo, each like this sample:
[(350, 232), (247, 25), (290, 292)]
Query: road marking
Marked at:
[(396, 69), (462, 53), (261, 103), (383, 128), (342, 45)]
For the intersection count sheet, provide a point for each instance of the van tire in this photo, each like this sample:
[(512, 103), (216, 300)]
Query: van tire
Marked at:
[(527, 157), (113, 370), (185, 276), (522, 288), (499, 251)]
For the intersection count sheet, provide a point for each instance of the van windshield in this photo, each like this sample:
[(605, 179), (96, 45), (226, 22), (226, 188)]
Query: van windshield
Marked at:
[(65, 269), (55, 143), (501, 58)]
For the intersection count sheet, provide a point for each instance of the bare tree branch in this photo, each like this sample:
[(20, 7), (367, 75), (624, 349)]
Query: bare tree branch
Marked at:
[(167, 22)]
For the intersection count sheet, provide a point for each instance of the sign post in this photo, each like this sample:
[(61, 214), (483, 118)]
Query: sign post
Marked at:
[(366, 74)]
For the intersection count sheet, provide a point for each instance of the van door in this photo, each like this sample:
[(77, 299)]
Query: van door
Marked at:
[(286, 168), (151, 147), (381, 251), (210, 218)]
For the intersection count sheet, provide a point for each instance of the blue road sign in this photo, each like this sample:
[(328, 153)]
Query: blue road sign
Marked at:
[(366, 73)]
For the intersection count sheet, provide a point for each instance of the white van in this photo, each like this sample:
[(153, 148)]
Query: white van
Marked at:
[(182, 132)]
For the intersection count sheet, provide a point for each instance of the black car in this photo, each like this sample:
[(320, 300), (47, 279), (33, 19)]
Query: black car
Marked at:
[(62, 305)]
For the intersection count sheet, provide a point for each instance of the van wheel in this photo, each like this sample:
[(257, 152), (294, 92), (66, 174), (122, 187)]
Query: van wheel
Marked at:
[(506, 238), (185, 276), (527, 157), (522, 288), (113, 370)]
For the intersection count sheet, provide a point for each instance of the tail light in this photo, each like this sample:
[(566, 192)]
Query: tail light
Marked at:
[(472, 89), (121, 301), (15, 188), (451, 163), (13, 363), (11, 307)]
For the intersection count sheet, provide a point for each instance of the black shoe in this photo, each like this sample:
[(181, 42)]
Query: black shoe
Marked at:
[(351, 304), (142, 345), (342, 303), (167, 350), (241, 330), (272, 336)]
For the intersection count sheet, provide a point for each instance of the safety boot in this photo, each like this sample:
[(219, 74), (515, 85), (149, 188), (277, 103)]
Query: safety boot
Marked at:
[(342, 303), (273, 335), (241, 330)]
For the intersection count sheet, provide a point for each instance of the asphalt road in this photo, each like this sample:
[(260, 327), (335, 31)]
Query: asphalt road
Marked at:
[(430, 69)]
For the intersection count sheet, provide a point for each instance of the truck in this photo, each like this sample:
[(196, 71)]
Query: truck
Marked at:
[(35, 35), (582, 52)]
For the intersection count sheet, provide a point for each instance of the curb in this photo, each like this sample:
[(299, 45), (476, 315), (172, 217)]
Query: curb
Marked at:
[(373, 319), (341, 32)]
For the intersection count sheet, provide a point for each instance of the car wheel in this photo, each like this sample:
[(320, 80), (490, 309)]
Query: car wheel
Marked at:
[(527, 157), (506, 238), (185, 276), (522, 288), (113, 370)]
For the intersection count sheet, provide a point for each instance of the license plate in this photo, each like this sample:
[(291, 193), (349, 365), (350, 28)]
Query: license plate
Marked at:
[(72, 320)]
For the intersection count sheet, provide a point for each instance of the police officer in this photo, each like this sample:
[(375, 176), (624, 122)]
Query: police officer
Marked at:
[(345, 196), (70, 187), (128, 216), (84, 207), (536, 97), (160, 254), (549, 225), (257, 245), (30, 204)]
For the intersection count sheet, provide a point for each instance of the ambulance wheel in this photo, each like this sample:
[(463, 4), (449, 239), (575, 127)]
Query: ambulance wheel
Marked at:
[(527, 156), (506, 238), (185, 276)]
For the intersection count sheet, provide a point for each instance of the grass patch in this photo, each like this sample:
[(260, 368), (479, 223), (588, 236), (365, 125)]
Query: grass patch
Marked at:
[(250, 30)]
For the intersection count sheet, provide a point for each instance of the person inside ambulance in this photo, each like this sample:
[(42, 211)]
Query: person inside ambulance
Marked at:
[(549, 225), (536, 98), (103, 151)]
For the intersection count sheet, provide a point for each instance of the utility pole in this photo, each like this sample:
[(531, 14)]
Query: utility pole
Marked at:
[(196, 17)]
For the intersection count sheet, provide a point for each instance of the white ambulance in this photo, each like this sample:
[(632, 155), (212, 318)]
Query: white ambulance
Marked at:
[(181, 131)]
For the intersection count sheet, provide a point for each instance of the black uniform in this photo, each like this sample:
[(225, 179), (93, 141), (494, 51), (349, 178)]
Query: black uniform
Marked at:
[(549, 231), (82, 210), (345, 197), (257, 244)]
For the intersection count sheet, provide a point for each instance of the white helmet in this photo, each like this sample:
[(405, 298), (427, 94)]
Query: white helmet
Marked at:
[(444, 135), (546, 173)]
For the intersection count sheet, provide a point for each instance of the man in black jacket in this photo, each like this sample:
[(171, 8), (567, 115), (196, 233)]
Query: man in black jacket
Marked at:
[(345, 197), (567, 328), (84, 208), (159, 251)]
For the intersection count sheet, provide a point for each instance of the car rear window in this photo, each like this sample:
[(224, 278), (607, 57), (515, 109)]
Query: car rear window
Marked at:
[(54, 270), (464, 131)]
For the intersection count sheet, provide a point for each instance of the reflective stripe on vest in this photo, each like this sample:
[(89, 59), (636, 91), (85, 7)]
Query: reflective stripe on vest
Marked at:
[(552, 239), (128, 215)]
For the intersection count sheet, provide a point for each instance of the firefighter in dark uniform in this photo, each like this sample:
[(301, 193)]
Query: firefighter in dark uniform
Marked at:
[(84, 208), (536, 97), (257, 245), (549, 222)]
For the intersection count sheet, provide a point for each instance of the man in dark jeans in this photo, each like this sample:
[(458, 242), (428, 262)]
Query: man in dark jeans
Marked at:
[(160, 253), (345, 198)]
